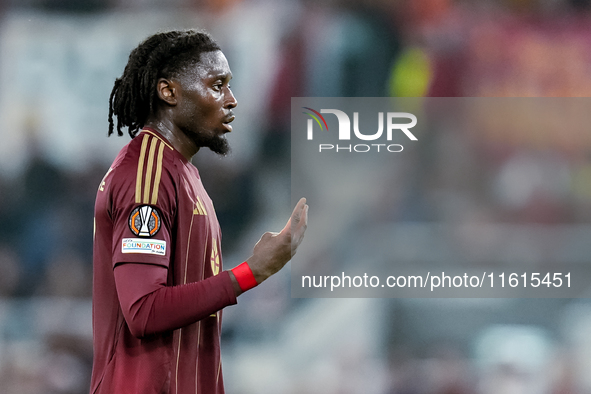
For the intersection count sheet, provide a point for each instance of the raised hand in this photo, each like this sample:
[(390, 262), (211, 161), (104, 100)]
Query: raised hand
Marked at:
[(274, 250)]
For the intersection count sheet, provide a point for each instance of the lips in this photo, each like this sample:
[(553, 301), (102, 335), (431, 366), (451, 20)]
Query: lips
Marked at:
[(227, 120)]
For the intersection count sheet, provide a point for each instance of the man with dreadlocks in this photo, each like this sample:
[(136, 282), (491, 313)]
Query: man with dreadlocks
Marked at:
[(159, 286)]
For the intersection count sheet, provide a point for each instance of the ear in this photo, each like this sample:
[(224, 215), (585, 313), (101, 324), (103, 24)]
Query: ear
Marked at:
[(167, 91)]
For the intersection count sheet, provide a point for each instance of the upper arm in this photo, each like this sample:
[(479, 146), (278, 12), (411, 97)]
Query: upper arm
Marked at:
[(143, 209)]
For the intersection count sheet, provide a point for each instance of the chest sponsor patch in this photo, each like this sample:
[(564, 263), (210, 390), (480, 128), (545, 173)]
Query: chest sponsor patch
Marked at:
[(144, 221), (143, 246)]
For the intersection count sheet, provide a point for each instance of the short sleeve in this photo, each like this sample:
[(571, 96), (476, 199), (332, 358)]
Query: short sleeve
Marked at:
[(143, 207)]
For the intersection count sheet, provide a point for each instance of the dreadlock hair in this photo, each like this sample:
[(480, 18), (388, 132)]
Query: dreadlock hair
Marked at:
[(162, 55)]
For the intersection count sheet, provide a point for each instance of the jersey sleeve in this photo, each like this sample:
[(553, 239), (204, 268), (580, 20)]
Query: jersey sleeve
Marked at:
[(143, 206), (152, 307)]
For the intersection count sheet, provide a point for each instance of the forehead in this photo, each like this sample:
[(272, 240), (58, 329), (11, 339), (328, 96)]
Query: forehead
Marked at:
[(211, 65)]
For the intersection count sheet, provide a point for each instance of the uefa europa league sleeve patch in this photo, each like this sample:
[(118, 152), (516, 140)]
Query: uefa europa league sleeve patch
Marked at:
[(144, 221)]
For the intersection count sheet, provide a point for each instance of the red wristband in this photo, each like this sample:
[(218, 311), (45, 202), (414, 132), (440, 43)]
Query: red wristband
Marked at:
[(244, 276)]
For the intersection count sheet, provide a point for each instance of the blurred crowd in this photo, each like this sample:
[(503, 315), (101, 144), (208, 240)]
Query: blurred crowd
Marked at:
[(54, 152)]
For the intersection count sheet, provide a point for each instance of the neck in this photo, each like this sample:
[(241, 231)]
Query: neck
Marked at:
[(175, 136)]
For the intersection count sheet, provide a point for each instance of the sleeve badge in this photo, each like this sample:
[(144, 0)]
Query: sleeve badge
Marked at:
[(144, 221)]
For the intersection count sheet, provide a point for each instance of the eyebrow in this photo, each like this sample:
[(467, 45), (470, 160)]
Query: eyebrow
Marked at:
[(227, 75)]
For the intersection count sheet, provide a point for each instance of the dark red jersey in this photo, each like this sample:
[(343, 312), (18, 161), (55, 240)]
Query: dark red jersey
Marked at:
[(158, 282)]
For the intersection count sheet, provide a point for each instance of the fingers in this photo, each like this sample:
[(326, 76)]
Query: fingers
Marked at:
[(303, 220), (273, 250), (300, 229), (299, 206), (296, 215)]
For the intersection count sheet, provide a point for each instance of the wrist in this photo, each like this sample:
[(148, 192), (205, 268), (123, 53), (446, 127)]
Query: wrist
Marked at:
[(235, 285), (244, 276)]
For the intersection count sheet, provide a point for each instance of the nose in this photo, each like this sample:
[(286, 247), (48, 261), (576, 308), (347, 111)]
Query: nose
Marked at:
[(230, 101)]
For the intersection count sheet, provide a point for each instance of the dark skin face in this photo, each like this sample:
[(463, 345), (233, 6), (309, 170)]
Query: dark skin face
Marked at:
[(197, 106)]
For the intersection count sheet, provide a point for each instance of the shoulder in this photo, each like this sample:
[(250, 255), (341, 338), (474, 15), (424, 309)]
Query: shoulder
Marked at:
[(144, 165), (144, 173)]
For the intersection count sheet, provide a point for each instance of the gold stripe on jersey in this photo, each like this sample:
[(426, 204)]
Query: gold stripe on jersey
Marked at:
[(203, 260), (157, 136), (178, 359), (199, 208), (158, 174), (140, 169), (149, 170), (217, 377), (178, 354), (146, 192)]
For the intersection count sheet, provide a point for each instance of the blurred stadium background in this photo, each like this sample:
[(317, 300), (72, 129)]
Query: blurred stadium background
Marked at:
[(58, 60)]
